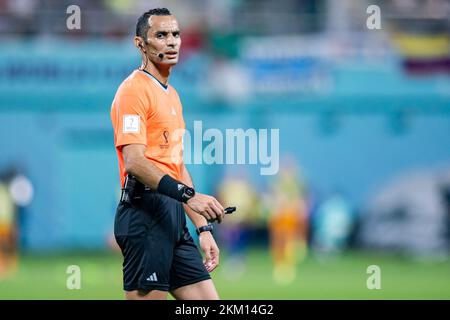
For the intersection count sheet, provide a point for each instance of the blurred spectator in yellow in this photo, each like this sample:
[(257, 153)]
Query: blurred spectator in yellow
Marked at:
[(7, 231), (237, 191), (16, 193), (287, 224)]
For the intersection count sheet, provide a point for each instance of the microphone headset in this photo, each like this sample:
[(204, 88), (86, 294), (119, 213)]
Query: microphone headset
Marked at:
[(160, 55)]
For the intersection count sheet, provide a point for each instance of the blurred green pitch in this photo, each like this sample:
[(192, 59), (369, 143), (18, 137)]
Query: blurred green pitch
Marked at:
[(44, 277)]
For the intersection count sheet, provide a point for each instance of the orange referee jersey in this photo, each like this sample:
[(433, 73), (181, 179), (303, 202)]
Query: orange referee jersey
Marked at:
[(144, 111)]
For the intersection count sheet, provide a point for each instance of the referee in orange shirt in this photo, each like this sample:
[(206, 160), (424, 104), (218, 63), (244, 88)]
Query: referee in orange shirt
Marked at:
[(150, 223)]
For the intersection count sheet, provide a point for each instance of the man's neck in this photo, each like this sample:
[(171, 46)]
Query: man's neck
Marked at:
[(160, 73)]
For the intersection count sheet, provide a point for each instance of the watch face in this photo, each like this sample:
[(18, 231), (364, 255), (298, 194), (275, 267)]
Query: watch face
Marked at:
[(189, 192)]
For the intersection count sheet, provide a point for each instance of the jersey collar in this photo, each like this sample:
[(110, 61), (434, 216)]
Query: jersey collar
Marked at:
[(156, 81)]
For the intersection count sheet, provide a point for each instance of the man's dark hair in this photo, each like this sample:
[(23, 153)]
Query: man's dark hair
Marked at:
[(142, 24)]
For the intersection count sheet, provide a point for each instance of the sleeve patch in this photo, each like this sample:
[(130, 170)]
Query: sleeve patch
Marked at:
[(131, 123)]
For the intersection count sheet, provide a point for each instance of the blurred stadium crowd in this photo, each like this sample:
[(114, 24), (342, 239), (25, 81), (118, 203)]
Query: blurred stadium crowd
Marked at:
[(363, 114)]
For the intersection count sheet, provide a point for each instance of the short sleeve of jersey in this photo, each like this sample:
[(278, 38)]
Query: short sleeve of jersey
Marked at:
[(131, 119)]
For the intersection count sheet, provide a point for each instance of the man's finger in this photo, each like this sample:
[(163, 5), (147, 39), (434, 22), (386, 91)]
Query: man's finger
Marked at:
[(215, 258), (207, 256), (212, 212), (214, 254), (219, 205), (208, 214), (221, 209), (217, 211), (208, 259), (214, 263)]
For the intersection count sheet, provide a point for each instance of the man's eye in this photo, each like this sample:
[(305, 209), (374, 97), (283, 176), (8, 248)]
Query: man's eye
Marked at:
[(176, 34), (160, 35)]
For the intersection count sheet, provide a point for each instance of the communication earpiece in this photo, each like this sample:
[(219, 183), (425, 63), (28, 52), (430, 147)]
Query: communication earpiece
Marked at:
[(142, 47)]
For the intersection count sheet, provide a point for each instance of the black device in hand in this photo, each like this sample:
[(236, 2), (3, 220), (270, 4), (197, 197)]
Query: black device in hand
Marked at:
[(230, 210)]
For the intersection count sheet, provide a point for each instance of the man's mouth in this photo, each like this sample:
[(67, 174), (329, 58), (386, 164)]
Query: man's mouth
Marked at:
[(171, 53)]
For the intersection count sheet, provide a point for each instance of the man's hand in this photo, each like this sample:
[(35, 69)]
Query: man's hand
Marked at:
[(207, 206), (209, 247)]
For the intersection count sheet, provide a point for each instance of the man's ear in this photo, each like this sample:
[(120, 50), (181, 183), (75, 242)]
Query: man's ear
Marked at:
[(139, 43)]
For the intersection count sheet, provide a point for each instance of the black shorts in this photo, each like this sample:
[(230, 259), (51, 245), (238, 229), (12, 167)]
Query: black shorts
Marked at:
[(159, 253)]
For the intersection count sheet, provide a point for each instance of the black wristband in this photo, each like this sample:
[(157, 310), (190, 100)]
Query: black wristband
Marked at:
[(175, 189), (208, 227)]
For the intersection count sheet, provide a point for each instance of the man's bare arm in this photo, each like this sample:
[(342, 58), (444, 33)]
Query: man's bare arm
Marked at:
[(197, 219), (206, 239), (214, 205), (137, 164)]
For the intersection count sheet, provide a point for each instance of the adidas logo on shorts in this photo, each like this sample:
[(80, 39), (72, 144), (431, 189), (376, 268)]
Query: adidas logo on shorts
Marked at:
[(152, 277)]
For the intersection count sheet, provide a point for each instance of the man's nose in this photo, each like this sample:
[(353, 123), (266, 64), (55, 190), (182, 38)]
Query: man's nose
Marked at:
[(171, 41)]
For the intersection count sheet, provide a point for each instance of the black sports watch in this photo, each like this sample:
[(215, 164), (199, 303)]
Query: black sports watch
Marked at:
[(208, 227), (188, 193)]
